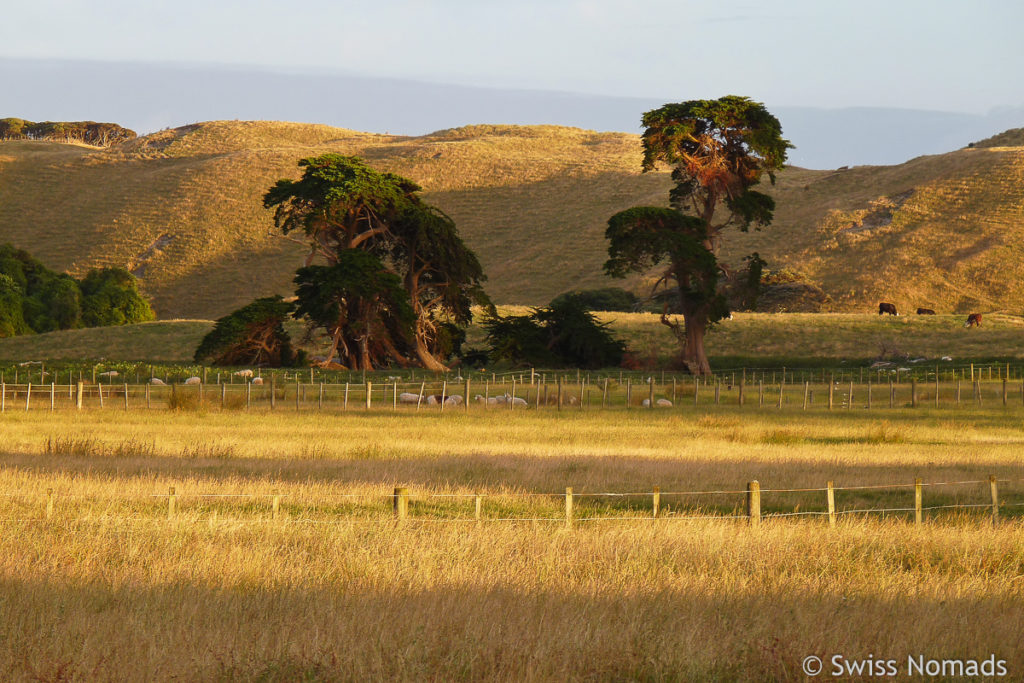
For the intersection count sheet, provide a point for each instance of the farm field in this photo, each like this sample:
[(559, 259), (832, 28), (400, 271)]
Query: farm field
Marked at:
[(334, 588), (755, 339)]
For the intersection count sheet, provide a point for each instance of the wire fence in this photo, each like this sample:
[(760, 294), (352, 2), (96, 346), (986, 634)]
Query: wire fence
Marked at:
[(568, 507), (534, 392)]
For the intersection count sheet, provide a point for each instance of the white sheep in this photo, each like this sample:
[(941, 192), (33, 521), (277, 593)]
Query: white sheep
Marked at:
[(109, 373), (661, 402), (454, 400), (257, 380), (406, 397), (242, 373), (193, 380), (156, 381), (492, 400)]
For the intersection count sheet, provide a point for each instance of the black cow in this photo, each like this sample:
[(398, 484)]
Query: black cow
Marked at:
[(925, 311), (887, 308), (973, 320)]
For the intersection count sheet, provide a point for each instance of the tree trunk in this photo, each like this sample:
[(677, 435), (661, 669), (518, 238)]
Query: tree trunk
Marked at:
[(693, 355), (427, 359)]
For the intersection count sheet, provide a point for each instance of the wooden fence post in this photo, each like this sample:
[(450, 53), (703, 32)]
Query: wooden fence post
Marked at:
[(1004, 391), (3, 397), (568, 507), (126, 396), (754, 503), (742, 382), (629, 391), (28, 394), (869, 392), (79, 391), (49, 503), (400, 503), (650, 397), (892, 394), (444, 393), (369, 395), (466, 397), (807, 390), (394, 395), (171, 497), (273, 391), (913, 393), (479, 500), (656, 502), (831, 390), (782, 386), (53, 391), (320, 398), (604, 393), (917, 501), (696, 391), (994, 489), (849, 399), (718, 392), (831, 495), (276, 504), (559, 399)]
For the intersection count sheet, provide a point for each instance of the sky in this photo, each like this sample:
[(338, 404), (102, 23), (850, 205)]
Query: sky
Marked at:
[(946, 55)]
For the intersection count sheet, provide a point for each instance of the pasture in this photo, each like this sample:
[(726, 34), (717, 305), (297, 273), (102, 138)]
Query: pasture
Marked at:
[(109, 583)]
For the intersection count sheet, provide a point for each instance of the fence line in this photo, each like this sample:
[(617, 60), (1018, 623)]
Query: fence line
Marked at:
[(466, 396), (401, 497)]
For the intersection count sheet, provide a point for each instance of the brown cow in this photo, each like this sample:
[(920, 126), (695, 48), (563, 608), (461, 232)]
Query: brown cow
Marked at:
[(973, 320), (925, 311), (887, 308)]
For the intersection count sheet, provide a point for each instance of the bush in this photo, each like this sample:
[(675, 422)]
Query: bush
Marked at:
[(252, 335), (606, 299)]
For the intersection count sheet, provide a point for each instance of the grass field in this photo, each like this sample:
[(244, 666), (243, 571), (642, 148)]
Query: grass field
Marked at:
[(110, 589), (183, 209), (751, 339)]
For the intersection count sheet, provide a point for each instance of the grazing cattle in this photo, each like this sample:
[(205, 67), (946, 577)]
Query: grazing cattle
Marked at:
[(887, 308), (925, 311), (973, 320), (257, 380), (193, 380), (157, 381)]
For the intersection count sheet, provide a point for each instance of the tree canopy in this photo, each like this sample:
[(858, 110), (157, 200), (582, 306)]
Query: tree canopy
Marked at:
[(251, 335), (342, 205), (89, 132), (718, 151)]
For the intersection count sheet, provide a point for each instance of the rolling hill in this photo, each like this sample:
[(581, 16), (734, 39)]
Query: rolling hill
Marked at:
[(182, 208)]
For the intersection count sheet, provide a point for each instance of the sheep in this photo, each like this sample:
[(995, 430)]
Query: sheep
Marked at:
[(454, 400), (661, 403), (519, 402), (406, 397), (242, 373), (257, 380), (156, 381), (110, 373), (493, 400), (193, 380)]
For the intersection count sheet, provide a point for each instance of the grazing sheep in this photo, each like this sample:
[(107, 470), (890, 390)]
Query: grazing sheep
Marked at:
[(156, 381), (242, 373), (193, 380), (257, 380), (109, 373), (519, 402), (406, 397), (661, 403)]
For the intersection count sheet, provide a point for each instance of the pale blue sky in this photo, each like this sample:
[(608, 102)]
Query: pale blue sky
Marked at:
[(965, 56)]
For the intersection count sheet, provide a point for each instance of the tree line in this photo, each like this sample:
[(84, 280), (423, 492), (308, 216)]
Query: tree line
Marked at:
[(89, 132)]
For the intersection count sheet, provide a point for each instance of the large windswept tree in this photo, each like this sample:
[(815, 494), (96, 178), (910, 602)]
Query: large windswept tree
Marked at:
[(718, 150), (339, 205)]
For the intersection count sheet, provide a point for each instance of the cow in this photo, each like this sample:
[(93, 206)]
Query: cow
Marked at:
[(925, 311), (887, 308), (973, 320)]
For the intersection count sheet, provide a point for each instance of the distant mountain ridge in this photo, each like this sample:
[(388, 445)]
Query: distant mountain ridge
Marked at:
[(150, 97), (182, 209)]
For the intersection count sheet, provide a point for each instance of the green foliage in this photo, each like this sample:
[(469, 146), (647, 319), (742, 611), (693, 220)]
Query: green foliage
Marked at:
[(565, 334), (12, 320), (604, 299), (252, 335), (110, 296)]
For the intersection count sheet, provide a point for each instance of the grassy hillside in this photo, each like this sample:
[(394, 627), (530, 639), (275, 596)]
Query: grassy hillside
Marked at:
[(182, 208), (751, 339)]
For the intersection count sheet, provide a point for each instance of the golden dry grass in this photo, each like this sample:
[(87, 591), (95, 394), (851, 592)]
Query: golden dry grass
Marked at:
[(518, 193), (110, 589)]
